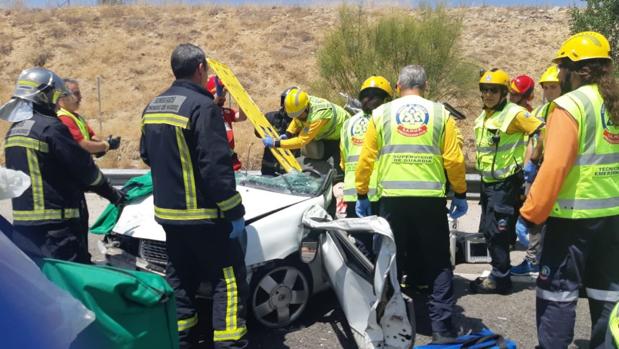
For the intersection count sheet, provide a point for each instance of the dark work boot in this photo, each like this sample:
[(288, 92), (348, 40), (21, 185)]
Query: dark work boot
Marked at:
[(489, 285)]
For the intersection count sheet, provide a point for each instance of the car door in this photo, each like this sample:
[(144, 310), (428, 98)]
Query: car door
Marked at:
[(366, 286)]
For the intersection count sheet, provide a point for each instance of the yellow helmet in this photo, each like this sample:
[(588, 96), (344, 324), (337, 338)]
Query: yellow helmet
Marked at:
[(495, 77), (584, 45), (550, 75), (378, 82), (296, 102)]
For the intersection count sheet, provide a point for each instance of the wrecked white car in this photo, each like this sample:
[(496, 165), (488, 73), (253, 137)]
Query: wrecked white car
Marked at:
[(280, 284), (287, 222), (367, 287)]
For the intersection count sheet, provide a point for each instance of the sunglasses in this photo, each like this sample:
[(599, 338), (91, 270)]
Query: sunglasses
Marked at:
[(492, 90)]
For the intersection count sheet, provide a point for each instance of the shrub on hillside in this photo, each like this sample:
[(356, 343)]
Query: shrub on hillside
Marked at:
[(360, 46), (601, 16)]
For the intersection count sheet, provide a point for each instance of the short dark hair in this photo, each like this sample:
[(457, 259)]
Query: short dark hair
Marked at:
[(185, 60)]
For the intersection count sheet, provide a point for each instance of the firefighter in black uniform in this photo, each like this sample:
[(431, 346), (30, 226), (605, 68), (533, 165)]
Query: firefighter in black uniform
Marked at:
[(184, 142), (46, 216), (280, 121)]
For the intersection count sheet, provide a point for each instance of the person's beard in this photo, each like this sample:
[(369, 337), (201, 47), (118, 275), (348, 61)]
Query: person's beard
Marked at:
[(566, 84)]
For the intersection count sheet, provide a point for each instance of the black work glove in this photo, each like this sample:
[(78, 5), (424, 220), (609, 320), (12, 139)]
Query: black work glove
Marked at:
[(106, 190), (114, 142)]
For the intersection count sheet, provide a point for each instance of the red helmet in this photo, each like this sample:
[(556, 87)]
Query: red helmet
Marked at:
[(522, 85), (213, 84)]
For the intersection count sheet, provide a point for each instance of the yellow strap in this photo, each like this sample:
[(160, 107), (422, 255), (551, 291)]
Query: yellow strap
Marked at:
[(184, 214), (42, 215), (191, 199), (27, 142), (185, 324), (230, 203), (166, 119)]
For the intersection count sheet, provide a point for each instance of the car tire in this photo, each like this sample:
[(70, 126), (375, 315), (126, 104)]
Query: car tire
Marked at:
[(279, 293)]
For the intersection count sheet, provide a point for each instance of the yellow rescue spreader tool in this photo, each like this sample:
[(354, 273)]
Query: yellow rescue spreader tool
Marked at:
[(249, 107)]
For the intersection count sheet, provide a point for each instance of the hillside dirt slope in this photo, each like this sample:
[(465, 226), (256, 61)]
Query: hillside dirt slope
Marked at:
[(269, 49)]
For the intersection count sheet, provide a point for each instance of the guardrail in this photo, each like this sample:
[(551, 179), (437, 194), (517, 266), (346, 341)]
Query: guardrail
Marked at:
[(118, 177)]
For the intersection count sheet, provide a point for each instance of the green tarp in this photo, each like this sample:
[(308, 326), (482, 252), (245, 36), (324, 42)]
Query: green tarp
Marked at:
[(134, 310), (136, 188)]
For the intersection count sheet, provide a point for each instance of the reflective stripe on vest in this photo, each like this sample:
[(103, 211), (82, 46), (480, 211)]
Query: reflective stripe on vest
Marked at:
[(557, 296), (186, 214), (38, 212), (186, 324), (497, 161), (166, 119), (78, 120), (613, 324), (410, 130), (45, 215), (590, 189), (352, 137), (232, 331)]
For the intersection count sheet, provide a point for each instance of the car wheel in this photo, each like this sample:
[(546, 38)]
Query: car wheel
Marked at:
[(279, 294)]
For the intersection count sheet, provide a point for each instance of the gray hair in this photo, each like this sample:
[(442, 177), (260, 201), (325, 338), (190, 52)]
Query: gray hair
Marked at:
[(68, 81), (412, 76)]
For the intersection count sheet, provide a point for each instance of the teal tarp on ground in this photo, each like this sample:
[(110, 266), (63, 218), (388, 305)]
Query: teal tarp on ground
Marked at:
[(136, 188)]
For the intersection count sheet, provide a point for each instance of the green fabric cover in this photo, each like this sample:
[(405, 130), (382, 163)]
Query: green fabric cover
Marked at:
[(136, 188), (133, 309)]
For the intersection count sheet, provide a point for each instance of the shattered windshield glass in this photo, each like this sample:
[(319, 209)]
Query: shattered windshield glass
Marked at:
[(296, 183)]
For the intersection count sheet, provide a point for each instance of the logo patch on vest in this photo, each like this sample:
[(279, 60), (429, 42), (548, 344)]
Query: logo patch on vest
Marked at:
[(412, 120), (358, 130), (610, 137)]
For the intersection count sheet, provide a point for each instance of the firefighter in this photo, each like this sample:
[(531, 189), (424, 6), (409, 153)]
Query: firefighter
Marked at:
[(500, 133), (612, 334), (218, 90), (552, 90), (577, 195), (47, 215), (414, 143), (316, 127), (521, 91), (184, 143)]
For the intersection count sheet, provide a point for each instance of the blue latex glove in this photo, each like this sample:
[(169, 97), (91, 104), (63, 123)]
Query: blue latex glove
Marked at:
[(523, 232), (458, 208), (238, 227), (530, 171), (283, 136), (362, 208), (268, 141)]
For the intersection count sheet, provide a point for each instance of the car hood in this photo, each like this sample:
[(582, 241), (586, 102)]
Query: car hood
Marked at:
[(137, 219)]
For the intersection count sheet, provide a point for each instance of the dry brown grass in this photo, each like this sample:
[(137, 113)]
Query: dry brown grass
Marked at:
[(269, 49)]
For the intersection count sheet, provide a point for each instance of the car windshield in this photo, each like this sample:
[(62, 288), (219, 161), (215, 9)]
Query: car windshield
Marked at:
[(296, 183)]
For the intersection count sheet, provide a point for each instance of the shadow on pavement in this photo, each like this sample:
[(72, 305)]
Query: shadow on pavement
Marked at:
[(463, 323), (322, 308)]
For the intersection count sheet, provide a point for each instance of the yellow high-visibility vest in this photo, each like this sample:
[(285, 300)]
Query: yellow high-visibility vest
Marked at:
[(590, 189)]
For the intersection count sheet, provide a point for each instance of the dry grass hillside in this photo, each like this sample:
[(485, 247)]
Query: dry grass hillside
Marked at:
[(269, 48)]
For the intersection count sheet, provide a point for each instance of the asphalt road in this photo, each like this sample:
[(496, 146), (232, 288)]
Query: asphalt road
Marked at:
[(324, 326)]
